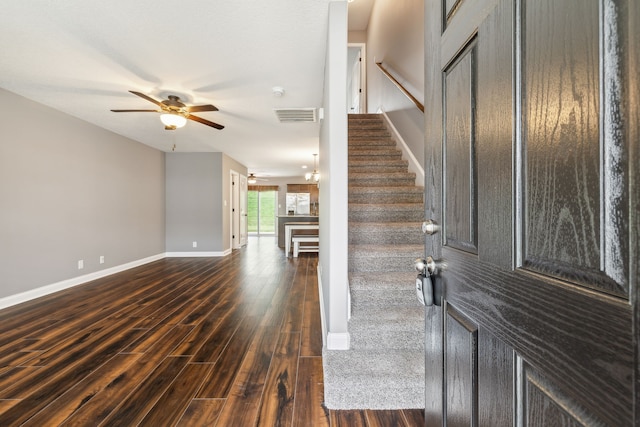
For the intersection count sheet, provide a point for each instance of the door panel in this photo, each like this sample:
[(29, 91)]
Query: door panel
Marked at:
[(495, 379), (545, 405), (532, 174), (562, 147), (461, 367), (460, 164)]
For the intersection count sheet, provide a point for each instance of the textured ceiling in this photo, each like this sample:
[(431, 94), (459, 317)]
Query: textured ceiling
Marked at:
[(82, 57)]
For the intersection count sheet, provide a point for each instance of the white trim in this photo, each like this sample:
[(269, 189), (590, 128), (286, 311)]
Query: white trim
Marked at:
[(197, 254), (75, 281), (414, 164), (363, 74), (323, 323), (338, 341)]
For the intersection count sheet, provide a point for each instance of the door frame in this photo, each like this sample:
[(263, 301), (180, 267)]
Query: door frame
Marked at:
[(363, 74), (234, 209)]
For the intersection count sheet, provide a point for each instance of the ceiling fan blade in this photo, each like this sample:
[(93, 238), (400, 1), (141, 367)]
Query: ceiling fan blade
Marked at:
[(148, 98), (204, 121), (197, 108), (139, 111)]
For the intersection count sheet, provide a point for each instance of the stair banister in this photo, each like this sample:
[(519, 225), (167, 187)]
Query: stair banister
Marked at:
[(401, 87)]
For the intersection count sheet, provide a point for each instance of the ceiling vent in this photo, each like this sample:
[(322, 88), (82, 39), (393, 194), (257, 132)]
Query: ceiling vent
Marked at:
[(292, 115)]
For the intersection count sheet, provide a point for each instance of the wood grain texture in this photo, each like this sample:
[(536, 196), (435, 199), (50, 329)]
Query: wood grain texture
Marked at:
[(460, 154), (562, 140), (384, 418), (137, 347), (202, 412), (558, 173), (348, 418), (308, 408), (495, 130), (245, 396), (555, 328), (279, 390), (496, 382), (461, 367), (632, 115)]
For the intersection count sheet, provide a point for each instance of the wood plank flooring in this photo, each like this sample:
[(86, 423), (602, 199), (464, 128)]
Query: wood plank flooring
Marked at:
[(232, 341)]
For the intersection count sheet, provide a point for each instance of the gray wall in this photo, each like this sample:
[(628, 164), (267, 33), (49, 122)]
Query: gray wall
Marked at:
[(198, 201), (396, 37), (193, 196), (69, 191)]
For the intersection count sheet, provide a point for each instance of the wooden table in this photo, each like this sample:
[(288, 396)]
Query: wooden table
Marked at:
[(291, 226)]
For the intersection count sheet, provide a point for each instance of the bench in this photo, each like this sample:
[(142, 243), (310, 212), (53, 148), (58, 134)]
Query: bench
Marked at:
[(305, 238)]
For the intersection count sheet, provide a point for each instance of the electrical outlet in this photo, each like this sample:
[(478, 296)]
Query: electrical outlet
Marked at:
[(101, 259), (80, 264), (195, 244)]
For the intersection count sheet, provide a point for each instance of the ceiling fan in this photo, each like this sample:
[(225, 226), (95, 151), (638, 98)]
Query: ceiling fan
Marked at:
[(252, 179), (174, 113)]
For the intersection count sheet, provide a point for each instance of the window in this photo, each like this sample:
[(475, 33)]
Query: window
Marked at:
[(262, 202)]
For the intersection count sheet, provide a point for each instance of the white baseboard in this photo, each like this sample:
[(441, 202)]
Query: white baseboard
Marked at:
[(323, 323), (197, 254), (332, 340), (338, 341), (75, 281)]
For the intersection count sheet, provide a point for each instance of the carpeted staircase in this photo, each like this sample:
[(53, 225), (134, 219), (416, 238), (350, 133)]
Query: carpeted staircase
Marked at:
[(384, 369)]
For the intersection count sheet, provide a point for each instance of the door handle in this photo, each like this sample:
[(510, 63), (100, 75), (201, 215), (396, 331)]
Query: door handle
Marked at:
[(430, 227), (429, 265)]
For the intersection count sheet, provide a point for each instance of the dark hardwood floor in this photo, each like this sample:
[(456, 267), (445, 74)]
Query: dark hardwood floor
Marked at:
[(233, 341)]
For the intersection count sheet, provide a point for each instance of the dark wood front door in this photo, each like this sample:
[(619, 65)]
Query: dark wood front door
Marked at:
[(532, 166)]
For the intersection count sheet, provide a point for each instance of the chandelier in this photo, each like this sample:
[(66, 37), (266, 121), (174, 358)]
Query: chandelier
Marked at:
[(315, 175)]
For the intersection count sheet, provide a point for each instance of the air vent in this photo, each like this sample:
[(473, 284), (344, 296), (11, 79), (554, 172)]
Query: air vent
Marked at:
[(292, 115)]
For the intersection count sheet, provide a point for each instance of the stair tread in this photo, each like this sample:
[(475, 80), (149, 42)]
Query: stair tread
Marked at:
[(390, 318), (384, 369), (370, 362), (388, 280), (377, 225), (387, 189)]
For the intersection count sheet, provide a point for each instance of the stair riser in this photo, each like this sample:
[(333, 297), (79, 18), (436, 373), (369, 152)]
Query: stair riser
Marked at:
[(385, 198), (369, 130), (371, 142), (372, 169), (373, 158), (414, 237), (366, 299), (359, 165), (371, 264), (398, 340), (385, 216), (382, 181)]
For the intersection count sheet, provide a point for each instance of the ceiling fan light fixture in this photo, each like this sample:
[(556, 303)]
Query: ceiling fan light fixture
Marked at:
[(251, 179), (173, 121)]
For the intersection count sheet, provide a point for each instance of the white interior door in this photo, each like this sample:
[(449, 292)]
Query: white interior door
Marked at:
[(356, 78), (235, 210), (243, 210)]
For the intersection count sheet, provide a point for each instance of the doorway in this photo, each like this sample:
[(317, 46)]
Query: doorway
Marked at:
[(238, 214), (262, 206), (356, 78)]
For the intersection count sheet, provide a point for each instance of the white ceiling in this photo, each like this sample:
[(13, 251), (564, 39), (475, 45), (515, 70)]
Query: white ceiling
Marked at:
[(82, 57)]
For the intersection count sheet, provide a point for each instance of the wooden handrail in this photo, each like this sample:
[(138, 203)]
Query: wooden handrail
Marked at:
[(402, 88)]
